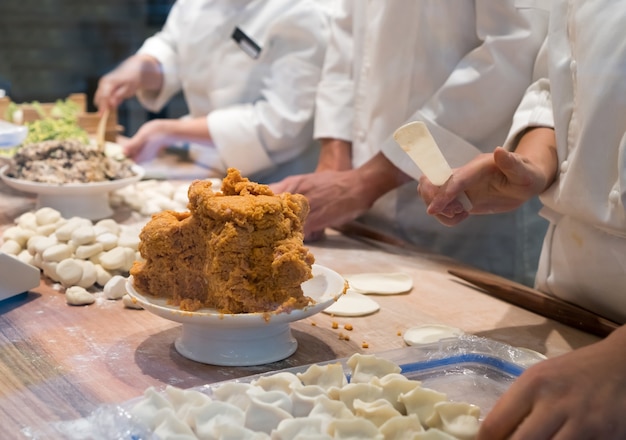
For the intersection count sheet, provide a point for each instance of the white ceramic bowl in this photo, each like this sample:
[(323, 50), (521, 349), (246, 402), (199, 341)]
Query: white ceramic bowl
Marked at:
[(11, 135), (243, 339), (87, 200)]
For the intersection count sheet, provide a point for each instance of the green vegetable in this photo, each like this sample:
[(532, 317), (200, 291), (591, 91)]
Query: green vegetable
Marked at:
[(61, 124), (50, 128)]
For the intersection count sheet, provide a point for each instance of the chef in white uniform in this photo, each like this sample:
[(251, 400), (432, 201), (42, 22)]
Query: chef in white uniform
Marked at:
[(459, 66), (568, 144), (248, 70)]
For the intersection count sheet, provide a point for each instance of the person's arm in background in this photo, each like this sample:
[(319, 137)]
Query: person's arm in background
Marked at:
[(149, 74), (335, 155), (336, 192), (155, 134), (335, 94), (476, 103), (135, 73), (274, 125), (277, 127)]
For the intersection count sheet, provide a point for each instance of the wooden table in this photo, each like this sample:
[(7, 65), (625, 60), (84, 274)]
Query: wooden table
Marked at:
[(59, 362)]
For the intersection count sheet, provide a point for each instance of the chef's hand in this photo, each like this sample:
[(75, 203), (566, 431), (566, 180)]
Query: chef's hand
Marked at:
[(157, 134), (149, 140), (333, 197), (136, 72), (338, 197), (494, 182), (579, 395)]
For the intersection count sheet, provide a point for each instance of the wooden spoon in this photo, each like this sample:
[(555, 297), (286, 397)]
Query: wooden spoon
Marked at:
[(101, 131)]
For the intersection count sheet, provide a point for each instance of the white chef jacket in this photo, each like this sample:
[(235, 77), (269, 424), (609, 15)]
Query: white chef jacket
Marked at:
[(583, 96), (461, 66), (258, 95)]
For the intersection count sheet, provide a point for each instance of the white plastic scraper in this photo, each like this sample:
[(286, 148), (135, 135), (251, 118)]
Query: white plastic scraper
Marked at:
[(416, 140)]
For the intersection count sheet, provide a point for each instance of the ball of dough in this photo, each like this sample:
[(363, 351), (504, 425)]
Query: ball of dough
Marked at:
[(78, 296), (115, 288)]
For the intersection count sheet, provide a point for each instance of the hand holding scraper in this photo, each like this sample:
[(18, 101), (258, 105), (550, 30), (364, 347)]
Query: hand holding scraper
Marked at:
[(416, 140)]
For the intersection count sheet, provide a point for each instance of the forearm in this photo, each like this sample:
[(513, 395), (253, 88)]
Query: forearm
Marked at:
[(335, 155), (188, 129), (538, 145), (150, 72), (378, 176)]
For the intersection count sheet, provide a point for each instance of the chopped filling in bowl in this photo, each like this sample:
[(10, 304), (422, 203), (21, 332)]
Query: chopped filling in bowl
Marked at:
[(67, 161)]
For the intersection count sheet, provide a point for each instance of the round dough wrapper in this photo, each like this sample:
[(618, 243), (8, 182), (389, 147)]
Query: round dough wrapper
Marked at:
[(352, 304), (427, 334), (380, 283)]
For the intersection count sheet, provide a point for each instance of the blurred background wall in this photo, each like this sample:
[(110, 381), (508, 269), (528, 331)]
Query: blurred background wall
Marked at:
[(52, 48)]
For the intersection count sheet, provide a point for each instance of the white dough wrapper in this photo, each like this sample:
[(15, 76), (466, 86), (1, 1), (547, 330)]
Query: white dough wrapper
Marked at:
[(352, 304), (380, 283), (429, 333)]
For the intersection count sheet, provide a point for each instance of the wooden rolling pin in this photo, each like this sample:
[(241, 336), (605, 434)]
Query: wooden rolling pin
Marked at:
[(537, 302)]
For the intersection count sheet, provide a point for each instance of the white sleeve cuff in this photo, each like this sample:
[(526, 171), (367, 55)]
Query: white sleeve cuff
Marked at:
[(233, 131), (535, 110), (171, 85)]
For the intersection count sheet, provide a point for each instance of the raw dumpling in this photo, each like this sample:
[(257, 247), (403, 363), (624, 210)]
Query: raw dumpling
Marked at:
[(421, 401), (304, 398), (330, 408), (267, 409), (366, 366), (433, 434), (151, 403), (282, 381), (377, 411), (359, 391), (237, 393), (236, 432), (401, 427), (300, 428), (393, 385), (459, 419), (171, 427), (355, 428), (183, 401), (326, 376), (209, 421)]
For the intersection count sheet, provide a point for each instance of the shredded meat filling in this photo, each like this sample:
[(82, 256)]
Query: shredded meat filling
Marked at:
[(67, 161)]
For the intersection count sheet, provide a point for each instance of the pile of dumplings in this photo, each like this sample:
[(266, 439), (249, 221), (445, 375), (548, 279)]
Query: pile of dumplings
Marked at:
[(150, 196), (75, 252), (85, 257), (378, 402)]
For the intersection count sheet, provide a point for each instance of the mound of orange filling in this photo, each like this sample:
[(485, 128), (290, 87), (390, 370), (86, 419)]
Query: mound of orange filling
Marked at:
[(238, 250)]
